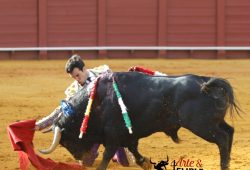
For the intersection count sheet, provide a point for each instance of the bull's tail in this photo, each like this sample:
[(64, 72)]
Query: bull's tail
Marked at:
[(221, 90)]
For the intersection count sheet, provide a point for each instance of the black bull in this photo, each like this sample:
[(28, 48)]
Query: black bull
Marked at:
[(155, 104)]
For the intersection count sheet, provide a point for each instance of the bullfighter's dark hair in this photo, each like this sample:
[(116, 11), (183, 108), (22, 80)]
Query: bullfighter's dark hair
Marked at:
[(75, 61)]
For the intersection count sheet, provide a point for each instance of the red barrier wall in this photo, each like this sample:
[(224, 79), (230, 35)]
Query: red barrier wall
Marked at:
[(64, 23)]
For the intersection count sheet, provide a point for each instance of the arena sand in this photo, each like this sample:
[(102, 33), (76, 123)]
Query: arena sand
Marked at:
[(32, 89)]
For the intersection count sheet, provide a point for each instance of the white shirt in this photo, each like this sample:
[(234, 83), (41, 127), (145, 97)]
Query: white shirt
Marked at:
[(93, 74)]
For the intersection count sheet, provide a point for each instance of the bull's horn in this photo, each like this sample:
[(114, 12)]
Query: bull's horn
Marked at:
[(56, 140), (48, 130)]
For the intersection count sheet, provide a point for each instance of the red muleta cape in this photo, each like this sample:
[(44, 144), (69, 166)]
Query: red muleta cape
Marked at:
[(21, 135)]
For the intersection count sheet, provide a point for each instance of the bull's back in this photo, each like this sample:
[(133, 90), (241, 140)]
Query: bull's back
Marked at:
[(150, 100)]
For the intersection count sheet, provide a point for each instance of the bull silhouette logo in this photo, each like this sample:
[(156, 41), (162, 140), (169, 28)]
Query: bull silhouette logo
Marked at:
[(160, 164)]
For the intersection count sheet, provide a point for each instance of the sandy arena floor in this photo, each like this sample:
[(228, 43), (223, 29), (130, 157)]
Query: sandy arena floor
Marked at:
[(32, 89)]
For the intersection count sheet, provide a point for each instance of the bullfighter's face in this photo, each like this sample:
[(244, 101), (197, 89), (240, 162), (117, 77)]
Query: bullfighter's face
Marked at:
[(79, 75)]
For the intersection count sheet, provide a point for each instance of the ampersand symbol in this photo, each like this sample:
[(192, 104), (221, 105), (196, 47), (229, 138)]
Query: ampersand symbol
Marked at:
[(198, 164)]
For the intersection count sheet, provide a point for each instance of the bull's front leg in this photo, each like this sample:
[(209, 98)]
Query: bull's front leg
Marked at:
[(143, 162), (109, 152)]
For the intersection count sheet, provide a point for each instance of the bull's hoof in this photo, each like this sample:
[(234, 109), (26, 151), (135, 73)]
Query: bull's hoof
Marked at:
[(89, 158), (146, 165), (224, 168)]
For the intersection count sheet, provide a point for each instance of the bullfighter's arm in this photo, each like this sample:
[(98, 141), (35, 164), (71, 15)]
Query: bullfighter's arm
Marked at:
[(48, 120), (102, 69), (146, 71), (69, 92)]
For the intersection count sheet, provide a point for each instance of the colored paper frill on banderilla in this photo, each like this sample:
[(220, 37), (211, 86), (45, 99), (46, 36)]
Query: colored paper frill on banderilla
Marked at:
[(21, 135)]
